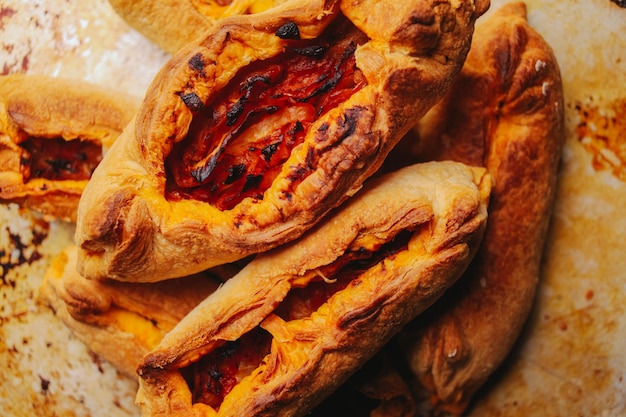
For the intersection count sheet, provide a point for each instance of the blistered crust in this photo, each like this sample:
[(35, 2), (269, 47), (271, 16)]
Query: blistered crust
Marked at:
[(442, 206), (128, 230), (505, 112), (52, 109)]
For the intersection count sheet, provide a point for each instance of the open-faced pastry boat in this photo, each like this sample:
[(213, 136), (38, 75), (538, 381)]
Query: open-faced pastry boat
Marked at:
[(297, 321), (52, 135), (504, 112), (248, 138)]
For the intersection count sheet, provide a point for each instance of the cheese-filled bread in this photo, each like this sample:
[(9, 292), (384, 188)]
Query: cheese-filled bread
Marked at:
[(53, 133), (249, 137), (297, 321)]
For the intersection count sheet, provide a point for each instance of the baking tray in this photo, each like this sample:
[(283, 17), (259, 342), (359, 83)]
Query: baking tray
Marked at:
[(570, 359)]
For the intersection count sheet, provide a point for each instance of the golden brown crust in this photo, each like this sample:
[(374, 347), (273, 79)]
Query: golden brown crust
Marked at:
[(442, 206), (120, 322), (41, 108), (505, 112), (172, 24), (129, 230)]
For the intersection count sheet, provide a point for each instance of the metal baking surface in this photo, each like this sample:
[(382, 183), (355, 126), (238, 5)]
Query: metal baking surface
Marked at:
[(569, 361)]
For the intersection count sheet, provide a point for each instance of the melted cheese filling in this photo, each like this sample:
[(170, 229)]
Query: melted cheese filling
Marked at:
[(237, 143)]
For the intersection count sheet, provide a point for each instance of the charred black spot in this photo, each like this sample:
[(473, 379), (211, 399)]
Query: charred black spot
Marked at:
[(192, 101), (249, 82), (237, 110), (289, 30), (270, 150), (323, 127), (197, 63), (297, 127), (252, 182), (234, 173), (314, 51), (326, 86)]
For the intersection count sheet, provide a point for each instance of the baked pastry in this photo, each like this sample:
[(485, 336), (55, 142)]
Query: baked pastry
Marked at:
[(504, 112), (297, 321), (118, 321), (249, 138), (172, 24), (52, 133)]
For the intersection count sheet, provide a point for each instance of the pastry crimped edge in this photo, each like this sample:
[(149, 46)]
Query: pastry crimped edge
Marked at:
[(120, 322), (443, 204), (128, 230), (505, 112), (45, 107)]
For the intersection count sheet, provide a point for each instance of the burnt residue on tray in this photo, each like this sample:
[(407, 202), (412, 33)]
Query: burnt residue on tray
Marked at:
[(601, 129), (22, 248)]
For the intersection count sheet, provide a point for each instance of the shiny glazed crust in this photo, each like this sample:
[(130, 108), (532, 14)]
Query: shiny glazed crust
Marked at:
[(120, 322), (172, 24), (128, 230), (49, 108), (443, 205), (505, 112)]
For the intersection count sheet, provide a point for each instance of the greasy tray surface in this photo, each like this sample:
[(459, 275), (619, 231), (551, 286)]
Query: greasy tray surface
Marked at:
[(569, 360)]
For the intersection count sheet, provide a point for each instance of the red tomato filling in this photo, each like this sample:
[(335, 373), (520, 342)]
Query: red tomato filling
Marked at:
[(236, 145), (58, 159), (217, 373)]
